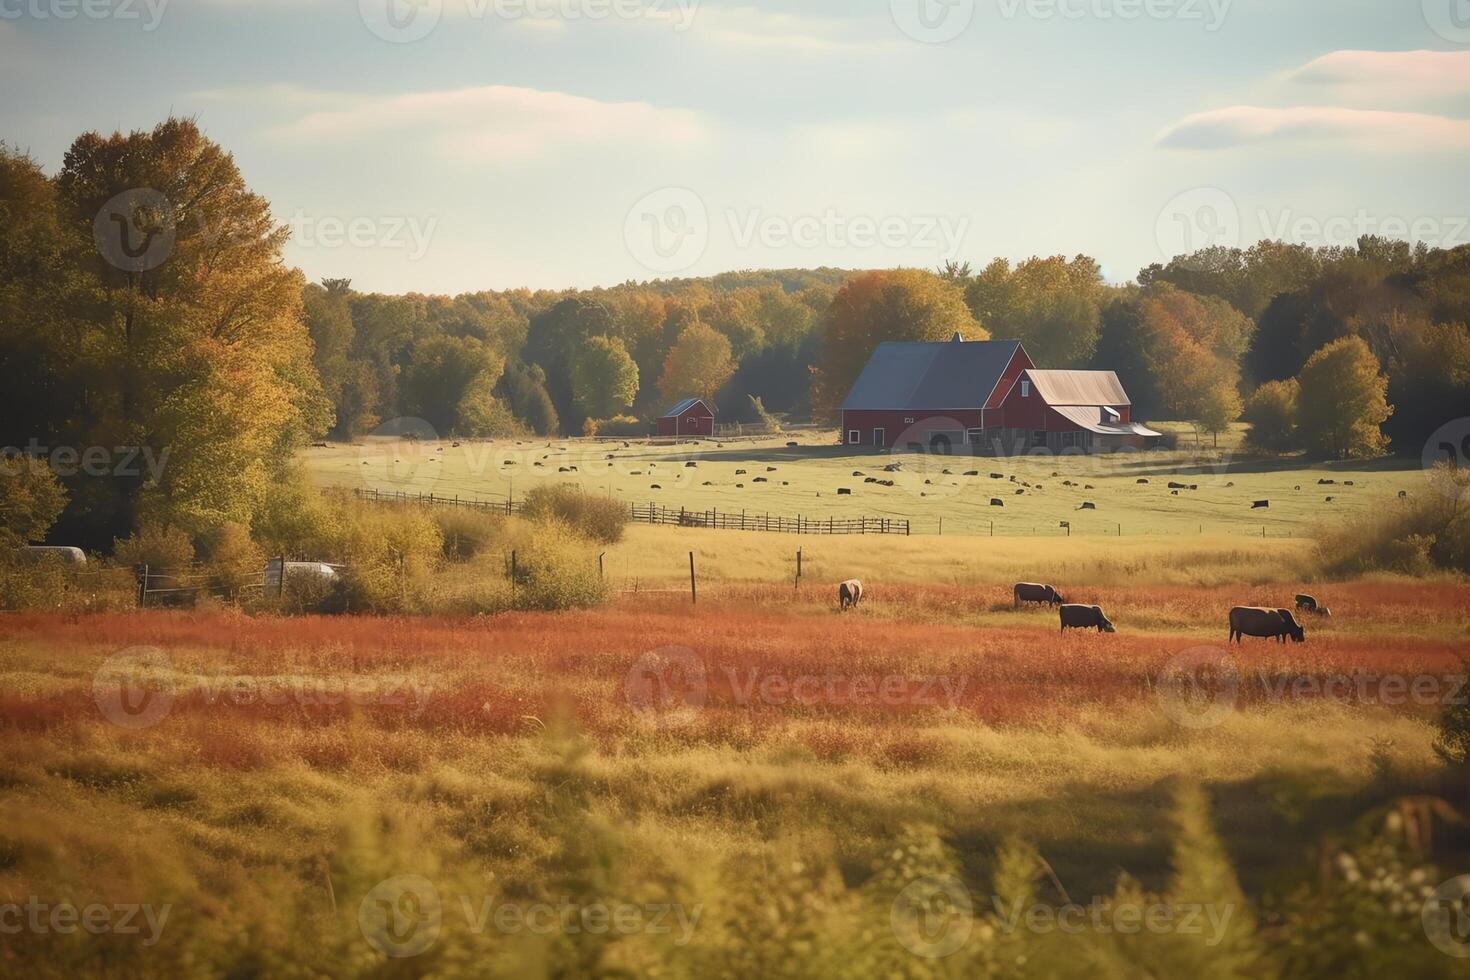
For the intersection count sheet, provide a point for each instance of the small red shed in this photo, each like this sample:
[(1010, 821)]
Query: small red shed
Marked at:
[(691, 417)]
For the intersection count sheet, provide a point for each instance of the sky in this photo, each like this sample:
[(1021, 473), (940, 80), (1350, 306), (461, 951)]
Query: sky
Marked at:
[(445, 146)]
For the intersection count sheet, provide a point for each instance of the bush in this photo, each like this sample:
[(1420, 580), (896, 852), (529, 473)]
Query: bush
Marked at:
[(467, 532), (157, 546), (555, 568), (599, 518), (625, 426), (1431, 532), (234, 559)]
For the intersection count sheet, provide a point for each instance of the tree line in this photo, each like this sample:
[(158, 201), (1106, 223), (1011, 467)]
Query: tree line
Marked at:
[(222, 359)]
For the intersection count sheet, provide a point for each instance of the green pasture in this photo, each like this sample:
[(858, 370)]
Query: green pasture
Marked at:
[(1219, 486)]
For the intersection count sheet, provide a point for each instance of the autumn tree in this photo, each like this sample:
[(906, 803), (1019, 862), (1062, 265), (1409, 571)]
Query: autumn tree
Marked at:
[(874, 307), (31, 498), (1217, 407), (1272, 411), (1343, 401), (191, 342), (449, 384), (1052, 305), (604, 378), (699, 364)]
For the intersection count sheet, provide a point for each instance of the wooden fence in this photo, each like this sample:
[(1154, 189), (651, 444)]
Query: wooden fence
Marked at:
[(506, 506), (743, 521), (674, 517)]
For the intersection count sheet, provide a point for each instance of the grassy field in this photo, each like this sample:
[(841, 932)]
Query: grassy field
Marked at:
[(773, 776), (932, 491)]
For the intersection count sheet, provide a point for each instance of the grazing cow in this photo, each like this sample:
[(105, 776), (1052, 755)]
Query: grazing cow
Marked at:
[(1260, 503), (843, 492), (1304, 601), (849, 593), (1255, 621), (1082, 617), (1035, 592), (997, 502), (1088, 505)]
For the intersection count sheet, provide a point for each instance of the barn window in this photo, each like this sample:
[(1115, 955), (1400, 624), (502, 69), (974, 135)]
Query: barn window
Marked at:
[(1025, 388), (909, 420), (854, 437)]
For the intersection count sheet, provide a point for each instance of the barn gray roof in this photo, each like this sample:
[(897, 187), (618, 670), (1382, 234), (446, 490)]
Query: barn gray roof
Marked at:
[(927, 375), (682, 407)]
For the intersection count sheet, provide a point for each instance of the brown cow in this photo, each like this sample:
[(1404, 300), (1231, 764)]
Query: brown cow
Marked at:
[(1307, 602), (1256, 621), (1034, 592), (1082, 617), (849, 593)]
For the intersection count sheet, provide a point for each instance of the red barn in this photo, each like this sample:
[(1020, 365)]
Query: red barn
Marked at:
[(1057, 410), (931, 395), (985, 395), (691, 417)]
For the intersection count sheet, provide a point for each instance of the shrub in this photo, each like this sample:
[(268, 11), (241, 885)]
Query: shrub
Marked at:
[(598, 518), (467, 532), (154, 545), (234, 559), (555, 567), (1431, 532), (619, 425)]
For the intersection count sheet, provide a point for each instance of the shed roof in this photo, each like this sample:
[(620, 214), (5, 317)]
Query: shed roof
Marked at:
[(1087, 417), (1078, 387), (930, 375), (685, 406)]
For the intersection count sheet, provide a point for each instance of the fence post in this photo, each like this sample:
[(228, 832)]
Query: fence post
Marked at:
[(798, 566), (693, 592), (600, 576), (941, 525), (143, 588), (513, 571)]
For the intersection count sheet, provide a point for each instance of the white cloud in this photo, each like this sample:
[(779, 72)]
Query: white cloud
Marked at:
[(497, 122), (1409, 76), (1366, 129)]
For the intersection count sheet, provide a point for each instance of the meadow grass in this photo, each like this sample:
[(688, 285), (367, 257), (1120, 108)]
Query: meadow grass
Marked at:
[(512, 759), (782, 481)]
